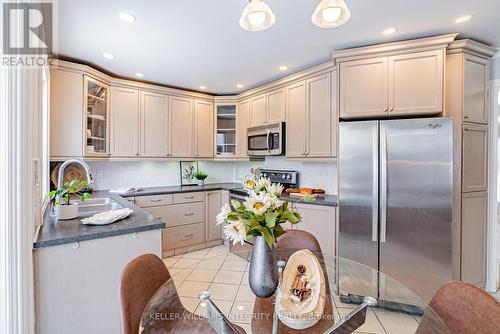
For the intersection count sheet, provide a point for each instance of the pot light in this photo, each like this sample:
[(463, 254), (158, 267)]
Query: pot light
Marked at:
[(257, 16), (331, 14), (239, 85), (140, 75), (127, 17), (389, 31), (283, 68), (463, 18), (108, 55), (203, 87)]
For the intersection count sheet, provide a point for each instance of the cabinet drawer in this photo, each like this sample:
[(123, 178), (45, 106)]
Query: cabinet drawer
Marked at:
[(189, 197), (183, 236), (146, 201), (179, 214)]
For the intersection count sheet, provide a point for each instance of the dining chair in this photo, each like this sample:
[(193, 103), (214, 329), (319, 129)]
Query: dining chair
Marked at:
[(297, 239), (141, 278), (464, 309)]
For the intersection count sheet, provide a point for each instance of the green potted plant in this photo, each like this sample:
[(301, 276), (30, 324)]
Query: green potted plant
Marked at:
[(200, 176), (61, 198)]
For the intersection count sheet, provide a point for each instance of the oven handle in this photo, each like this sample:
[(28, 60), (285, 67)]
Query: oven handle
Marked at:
[(267, 140)]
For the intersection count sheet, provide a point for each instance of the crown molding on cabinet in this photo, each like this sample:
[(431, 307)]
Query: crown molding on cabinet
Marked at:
[(393, 48), (473, 47)]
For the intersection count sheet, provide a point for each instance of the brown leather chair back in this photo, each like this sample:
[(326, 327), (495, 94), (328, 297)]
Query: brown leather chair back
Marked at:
[(297, 239), (464, 309), (141, 278)]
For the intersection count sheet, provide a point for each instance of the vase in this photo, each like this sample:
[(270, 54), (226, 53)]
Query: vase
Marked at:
[(65, 212), (263, 273), (201, 182)]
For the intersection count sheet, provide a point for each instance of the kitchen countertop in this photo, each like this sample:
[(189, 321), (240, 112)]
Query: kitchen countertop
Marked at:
[(54, 233)]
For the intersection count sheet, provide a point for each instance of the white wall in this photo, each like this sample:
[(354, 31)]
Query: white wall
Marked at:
[(165, 173)]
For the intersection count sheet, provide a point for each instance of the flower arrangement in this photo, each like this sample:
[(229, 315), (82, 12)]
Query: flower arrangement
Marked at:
[(261, 214), (62, 196)]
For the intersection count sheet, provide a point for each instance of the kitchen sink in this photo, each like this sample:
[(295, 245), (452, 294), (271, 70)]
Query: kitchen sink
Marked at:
[(95, 205)]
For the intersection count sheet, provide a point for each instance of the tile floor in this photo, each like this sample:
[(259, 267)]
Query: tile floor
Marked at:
[(225, 275)]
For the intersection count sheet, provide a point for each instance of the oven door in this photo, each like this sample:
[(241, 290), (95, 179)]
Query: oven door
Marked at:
[(266, 140)]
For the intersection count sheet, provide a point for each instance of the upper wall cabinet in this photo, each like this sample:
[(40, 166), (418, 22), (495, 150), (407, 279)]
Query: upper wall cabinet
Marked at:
[(204, 131), (154, 125), (96, 99), (476, 80), (407, 84), (258, 110), (125, 122), (269, 107), (311, 118), (181, 127), (242, 124)]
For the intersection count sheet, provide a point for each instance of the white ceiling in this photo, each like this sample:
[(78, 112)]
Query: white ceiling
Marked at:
[(189, 43)]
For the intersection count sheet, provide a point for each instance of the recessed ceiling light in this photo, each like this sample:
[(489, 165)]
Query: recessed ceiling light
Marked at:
[(283, 68), (138, 74), (127, 17), (203, 87), (108, 55), (389, 31), (239, 85), (463, 18)]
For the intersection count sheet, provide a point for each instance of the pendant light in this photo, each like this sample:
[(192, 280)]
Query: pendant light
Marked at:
[(257, 16), (330, 14)]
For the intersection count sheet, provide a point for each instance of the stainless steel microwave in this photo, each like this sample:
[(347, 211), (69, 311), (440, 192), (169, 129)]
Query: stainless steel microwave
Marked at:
[(268, 139)]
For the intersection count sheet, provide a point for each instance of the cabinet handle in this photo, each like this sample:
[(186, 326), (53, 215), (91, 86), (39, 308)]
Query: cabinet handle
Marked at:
[(466, 129), (189, 214), (155, 200), (386, 109), (76, 245), (188, 197), (466, 117), (392, 109)]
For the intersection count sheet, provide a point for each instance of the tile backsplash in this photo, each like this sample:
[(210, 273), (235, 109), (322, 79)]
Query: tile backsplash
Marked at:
[(110, 174)]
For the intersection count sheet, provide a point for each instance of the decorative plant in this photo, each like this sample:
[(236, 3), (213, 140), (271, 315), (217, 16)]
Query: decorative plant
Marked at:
[(62, 196), (200, 175), (261, 214)]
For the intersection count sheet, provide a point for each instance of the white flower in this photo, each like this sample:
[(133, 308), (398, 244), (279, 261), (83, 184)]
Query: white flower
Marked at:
[(275, 189), (258, 203), (276, 202), (224, 212), (263, 183), (235, 231)]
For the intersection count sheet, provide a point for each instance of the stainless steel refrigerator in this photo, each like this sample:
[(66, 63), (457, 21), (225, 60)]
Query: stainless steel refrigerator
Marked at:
[(395, 204)]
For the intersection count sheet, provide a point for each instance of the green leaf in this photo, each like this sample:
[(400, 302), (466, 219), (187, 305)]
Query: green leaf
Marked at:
[(82, 198), (235, 204), (57, 203), (278, 231), (84, 183), (66, 184), (268, 237), (87, 195), (271, 219), (52, 194), (73, 183), (72, 189)]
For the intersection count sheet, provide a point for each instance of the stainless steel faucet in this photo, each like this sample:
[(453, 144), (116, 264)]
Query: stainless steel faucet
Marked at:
[(60, 174)]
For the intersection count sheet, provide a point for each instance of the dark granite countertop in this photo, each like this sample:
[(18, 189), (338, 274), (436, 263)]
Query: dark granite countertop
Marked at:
[(54, 233)]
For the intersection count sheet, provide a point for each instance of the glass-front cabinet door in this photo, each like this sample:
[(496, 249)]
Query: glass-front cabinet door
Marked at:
[(96, 118), (226, 130)]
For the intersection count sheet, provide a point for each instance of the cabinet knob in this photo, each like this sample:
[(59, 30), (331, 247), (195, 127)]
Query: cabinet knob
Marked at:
[(466, 129), (392, 109), (466, 117), (189, 214), (386, 109)]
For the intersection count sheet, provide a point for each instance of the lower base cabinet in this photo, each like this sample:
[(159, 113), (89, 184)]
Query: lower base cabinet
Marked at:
[(183, 236), (77, 285)]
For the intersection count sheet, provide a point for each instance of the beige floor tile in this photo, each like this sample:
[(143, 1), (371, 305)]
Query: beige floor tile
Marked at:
[(246, 327), (190, 304), (228, 277), (234, 257), (192, 289), (199, 254), (371, 325), (174, 271), (223, 291), (244, 280), (202, 275), (230, 265), (245, 294), (397, 323), (186, 263), (218, 250), (170, 261), (223, 305), (241, 312), (213, 264), (181, 275)]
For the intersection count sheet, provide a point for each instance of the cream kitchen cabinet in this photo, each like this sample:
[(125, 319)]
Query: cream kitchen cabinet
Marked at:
[(181, 127), (125, 122), (258, 110), (311, 118), (474, 227), (242, 124), (204, 129), (476, 97), (406, 84), (321, 222), (213, 202), (276, 105), (154, 125), (474, 158)]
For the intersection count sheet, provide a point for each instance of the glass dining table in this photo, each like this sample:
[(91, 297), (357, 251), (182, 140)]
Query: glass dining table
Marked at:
[(354, 295)]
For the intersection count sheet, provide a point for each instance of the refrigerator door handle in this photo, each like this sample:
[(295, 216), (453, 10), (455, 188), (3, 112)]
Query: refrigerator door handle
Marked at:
[(383, 184), (375, 185)]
